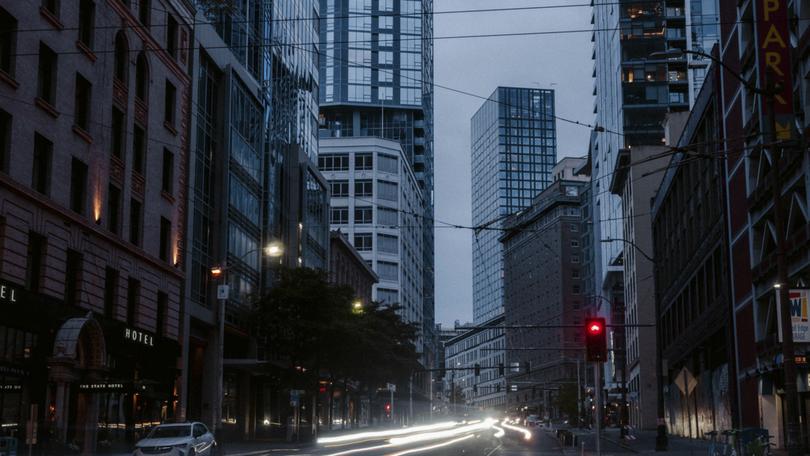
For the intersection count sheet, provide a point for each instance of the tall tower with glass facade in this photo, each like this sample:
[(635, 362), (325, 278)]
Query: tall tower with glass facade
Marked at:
[(514, 148), (376, 79)]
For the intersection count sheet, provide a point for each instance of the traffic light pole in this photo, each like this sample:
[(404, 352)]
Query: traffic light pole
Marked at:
[(597, 367)]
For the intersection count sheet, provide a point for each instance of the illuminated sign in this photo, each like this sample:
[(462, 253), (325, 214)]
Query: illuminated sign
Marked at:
[(799, 315), (774, 61), (139, 337), (8, 294), (100, 386), (10, 387)]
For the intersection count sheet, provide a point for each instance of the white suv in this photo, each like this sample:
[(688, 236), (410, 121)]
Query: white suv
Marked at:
[(181, 439)]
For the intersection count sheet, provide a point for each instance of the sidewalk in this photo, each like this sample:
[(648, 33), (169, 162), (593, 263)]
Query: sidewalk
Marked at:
[(638, 442)]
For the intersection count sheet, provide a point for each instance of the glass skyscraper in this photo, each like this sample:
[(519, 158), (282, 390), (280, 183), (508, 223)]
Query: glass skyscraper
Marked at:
[(514, 148), (376, 79)]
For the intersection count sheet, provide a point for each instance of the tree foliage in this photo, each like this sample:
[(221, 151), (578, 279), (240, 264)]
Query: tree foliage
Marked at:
[(309, 322), (566, 400)]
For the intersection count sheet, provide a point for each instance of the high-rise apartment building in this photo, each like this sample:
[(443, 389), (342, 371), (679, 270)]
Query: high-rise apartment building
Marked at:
[(514, 148), (376, 79), (94, 103), (376, 202), (254, 183), (543, 284)]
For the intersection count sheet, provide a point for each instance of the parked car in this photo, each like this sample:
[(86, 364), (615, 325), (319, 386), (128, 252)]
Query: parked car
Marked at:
[(532, 421), (180, 439)]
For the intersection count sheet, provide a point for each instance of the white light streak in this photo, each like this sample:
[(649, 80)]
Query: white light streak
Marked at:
[(443, 434), (384, 434), (432, 447), (499, 432), (527, 434)]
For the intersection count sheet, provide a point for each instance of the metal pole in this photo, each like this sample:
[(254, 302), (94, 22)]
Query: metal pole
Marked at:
[(391, 392), (410, 400), (217, 412), (791, 400), (597, 367), (431, 396), (579, 398)]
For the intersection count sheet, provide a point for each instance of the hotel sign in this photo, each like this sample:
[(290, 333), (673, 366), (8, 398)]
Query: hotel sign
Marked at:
[(774, 61), (8, 293), (101, 386), (139, 337)]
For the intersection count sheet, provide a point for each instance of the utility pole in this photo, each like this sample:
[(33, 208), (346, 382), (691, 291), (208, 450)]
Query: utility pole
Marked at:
[(791, 402), (597, 367), (579, 398)]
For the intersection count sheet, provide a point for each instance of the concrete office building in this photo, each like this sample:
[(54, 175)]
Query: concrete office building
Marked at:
[(253, 143), (376, 79), (543, 284), (514, 147), (465, 391), (93, 157), (347, 267), (376, 202)]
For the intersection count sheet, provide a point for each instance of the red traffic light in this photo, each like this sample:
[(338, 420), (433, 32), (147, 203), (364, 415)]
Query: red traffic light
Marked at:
[(387, 407), (595, 340), (595, 327)]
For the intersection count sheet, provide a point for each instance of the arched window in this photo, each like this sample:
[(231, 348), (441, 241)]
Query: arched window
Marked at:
[(142, 78), (121, 57)]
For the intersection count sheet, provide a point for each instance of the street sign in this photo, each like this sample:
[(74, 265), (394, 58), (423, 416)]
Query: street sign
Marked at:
[(223, 291), (391, 387)]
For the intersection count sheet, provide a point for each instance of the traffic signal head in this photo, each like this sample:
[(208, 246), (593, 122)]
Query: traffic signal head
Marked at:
[(595, 339)]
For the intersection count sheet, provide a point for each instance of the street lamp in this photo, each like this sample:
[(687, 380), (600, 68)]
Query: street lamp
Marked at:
[(274, 249), (357, 307)]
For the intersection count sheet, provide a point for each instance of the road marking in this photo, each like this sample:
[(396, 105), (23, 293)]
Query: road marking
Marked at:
[(495, 449)]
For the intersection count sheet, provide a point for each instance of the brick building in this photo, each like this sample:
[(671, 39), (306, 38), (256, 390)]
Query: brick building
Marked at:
[(347, 267), (93, 147)]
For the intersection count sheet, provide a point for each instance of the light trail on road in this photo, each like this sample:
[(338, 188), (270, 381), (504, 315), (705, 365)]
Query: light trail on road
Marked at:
[(433, 447), (484, 425), (527, 434), (378, 435)]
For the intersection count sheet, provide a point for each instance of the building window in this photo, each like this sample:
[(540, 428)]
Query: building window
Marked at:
[(363, 162), (170, 100), (78, 185), (142, 78), (363, 242), (575, 273), (73, 277), (162, 311), (363, 215), (387, 191), (121, 57), (114, 209), (46, 88), (82, 103), (363, 188), (387, 296), (135, 222), (388, 271), (5, 140), (339, 189), (133, 298), (36, 261), (52, 6), (574, 243), (41, 175), (575, 258), (339, 215), (333, 162), (171, 35), (144, 11), (575, 289), (167, 176), (165, 238), (387, 243), (387, 217), (138, 149), (387, 164), (87, 18), (8, 41), (110, 292), (118, 133)]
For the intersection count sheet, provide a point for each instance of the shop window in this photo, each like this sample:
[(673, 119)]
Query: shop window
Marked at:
[(138, 149), (81, 103), (41, 175), (46, 74), (8, 41), (121, 57), (167, 176), (78, 185), (36, 261), (133, 299), (111, 277), (114, 209), (135, 221), (87, 17), (73, 277), (165, 238)]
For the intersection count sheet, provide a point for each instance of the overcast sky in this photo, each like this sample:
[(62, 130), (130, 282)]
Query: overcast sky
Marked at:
[(559, 61)]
